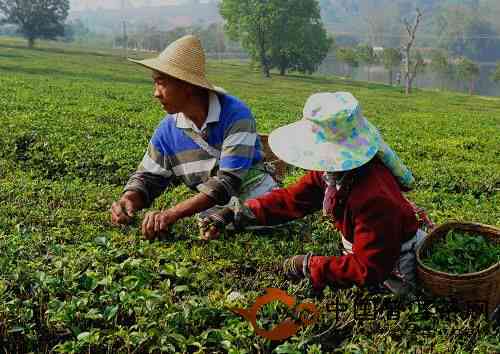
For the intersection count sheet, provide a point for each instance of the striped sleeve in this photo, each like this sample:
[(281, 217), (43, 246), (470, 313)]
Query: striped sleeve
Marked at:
[(152, 176), (237, 155), (238, 148)]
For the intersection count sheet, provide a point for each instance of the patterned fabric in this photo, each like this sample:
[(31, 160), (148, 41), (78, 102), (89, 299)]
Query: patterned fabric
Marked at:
[(334, 136), (173, 156), (333, 183), (392, 161)]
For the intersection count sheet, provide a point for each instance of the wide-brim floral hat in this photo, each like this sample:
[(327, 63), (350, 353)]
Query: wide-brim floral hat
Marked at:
[(332, 136)]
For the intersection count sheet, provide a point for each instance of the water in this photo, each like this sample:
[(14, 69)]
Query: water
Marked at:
[(428, 80)]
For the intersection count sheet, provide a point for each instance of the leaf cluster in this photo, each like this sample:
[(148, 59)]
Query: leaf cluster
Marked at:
[(461, 253), (496, 74), (36, 18), (467, 69), (287, 35)]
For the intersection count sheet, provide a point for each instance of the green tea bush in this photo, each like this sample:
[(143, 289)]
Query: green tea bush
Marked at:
[(75, 124)]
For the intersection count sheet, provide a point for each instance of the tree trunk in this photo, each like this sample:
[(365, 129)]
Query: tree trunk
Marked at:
[(31, 42), (471, 87), (390, 77), (264, 64), (369, 69), (409, 81), (265, 71), (282, 71)]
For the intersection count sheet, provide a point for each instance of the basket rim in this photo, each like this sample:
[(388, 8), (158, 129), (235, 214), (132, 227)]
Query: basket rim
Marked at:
[(451, 224)]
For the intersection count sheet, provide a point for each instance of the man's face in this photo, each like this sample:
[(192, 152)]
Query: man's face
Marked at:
[(173, 94)]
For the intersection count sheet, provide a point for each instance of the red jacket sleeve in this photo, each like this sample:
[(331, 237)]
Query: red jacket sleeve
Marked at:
[(282, 205), (376, 247)]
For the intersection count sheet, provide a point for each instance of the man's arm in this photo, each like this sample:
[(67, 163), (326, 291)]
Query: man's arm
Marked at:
[(237, 157), (152, 176), (147, 183), (156, 223)]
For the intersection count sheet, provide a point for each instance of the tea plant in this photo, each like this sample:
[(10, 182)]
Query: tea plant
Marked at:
[(74, 124), (460, 253)]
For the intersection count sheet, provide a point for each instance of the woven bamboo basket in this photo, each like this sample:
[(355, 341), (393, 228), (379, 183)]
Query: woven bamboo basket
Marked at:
[(280, 166), (475, 291)]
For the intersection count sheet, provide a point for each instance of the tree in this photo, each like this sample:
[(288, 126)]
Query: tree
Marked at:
[(468, 71), (286, 34), (299, 40), (496, 74), (251, 22), (440, 65), (75, 29), (366, 55), (411, 66), (418, 63), (36, 18), (349, 58), (391, 58)]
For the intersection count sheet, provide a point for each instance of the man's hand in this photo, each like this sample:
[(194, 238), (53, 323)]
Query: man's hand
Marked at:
[(157, 223), (122, 211)]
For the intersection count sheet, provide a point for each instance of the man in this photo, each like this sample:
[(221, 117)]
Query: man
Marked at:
[(207, 140)]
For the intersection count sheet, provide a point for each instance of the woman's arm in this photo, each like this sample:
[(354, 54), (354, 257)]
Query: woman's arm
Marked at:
[(286, 204)]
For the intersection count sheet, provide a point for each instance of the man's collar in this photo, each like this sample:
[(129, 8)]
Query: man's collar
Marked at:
[(214, 110)]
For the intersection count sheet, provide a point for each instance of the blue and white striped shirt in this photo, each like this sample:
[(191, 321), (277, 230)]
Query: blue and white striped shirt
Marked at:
[(174, 155)]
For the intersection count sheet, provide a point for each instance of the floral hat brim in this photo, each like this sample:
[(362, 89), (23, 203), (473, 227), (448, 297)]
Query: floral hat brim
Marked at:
[(299, 144)]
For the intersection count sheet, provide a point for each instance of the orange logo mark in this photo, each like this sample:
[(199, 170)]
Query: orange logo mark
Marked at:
[(288, 327)]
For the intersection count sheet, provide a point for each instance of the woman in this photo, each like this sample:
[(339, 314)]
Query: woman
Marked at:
[(357, 180)]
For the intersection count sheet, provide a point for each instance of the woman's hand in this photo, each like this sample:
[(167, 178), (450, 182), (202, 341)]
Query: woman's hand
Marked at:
[(212, 226)]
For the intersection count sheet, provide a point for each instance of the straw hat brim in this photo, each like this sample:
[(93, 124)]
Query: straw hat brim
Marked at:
[(297, 145), (179, 73)]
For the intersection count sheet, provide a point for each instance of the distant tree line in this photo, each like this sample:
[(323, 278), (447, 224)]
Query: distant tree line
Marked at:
[(461, 70), (468, 28), (149, 38)]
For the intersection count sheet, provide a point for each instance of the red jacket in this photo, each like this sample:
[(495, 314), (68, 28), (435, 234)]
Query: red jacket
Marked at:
[(374, 217)]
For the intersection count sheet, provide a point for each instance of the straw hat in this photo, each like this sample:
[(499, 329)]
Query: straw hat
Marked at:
[(183, 59), (332, 136)]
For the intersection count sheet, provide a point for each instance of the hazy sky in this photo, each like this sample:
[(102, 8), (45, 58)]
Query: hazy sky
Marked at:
[(77, 5)]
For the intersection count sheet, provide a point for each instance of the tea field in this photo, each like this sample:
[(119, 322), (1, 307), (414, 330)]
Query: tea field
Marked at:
[(74, 124)]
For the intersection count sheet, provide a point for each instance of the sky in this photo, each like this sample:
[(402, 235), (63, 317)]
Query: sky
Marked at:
[(78, 5)]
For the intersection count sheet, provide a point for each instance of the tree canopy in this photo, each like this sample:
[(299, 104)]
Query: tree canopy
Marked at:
[(496, 73), (391, 58), (467, 70), (441, 66), (36, 18), (366, 55), (348, 56), (285, 34)]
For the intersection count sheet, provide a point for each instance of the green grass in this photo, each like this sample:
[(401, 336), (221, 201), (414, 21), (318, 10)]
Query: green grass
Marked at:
[(74, 124)]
